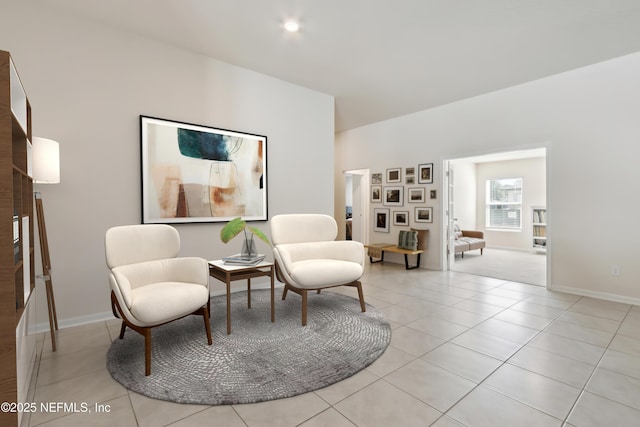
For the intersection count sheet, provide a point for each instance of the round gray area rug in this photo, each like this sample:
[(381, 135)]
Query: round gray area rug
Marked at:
[(260, 360)]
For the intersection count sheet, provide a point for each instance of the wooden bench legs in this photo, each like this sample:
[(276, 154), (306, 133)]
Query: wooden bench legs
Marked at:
[(380, 260), (406, 260)]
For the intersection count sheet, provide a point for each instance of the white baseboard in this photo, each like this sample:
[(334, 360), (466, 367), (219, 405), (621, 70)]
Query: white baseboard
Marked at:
[(108, 315), (76, 321), (595, 294)]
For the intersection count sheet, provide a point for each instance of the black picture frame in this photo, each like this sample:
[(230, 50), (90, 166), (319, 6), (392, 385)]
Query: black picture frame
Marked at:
[(193, 173), (425, 173)]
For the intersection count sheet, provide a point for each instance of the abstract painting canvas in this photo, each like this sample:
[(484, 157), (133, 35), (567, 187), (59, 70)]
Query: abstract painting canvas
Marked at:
[(193, 173)]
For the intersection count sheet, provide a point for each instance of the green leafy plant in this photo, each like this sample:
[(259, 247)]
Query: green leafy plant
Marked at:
[(235, 226)]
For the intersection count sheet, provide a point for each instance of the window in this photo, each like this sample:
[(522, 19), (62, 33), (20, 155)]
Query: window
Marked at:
[(504, 203)]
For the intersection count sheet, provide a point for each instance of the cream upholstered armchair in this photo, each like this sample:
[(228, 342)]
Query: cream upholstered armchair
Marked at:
[(150, 286), (309, 258)]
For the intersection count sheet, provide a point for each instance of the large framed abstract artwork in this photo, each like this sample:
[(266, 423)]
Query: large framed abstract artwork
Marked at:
[(193, 173)]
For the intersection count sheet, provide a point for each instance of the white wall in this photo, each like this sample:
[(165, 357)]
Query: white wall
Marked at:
[(88, 84), (588, 121), (534, 185)]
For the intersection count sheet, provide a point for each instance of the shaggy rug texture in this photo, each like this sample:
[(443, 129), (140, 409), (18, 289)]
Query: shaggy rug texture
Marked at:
[(259, 360)]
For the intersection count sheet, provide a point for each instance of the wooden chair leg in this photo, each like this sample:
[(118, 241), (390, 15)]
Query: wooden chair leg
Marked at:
[(207, 324), (147, 352), (284, 292), (361, 297), (122, 329), (303, 293)]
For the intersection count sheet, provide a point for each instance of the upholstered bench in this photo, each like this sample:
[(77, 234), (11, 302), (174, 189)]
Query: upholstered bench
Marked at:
[(412, 242)]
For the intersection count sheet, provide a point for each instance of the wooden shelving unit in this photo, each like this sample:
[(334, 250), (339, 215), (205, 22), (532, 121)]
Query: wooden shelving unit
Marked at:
[(17, 273), (539, 233)]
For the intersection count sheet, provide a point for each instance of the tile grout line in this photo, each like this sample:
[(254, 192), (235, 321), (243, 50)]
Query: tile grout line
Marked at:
[(501, 365), (595, 368)]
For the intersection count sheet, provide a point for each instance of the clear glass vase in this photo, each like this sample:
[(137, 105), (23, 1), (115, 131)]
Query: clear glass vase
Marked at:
[(248, 247)]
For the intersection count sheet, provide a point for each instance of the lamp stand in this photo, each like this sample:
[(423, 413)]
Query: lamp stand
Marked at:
[(46, 270)]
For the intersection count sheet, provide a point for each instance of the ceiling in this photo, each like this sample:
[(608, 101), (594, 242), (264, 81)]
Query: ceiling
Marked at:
[(379, 58)]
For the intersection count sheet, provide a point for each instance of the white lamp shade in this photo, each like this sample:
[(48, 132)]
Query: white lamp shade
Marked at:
[(46, 161)]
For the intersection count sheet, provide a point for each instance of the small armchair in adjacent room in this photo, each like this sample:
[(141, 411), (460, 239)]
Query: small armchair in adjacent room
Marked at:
[(150, 285), (308, 257)]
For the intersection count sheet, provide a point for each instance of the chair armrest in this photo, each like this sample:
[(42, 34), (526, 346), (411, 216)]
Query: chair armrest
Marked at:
[(473, 233), (121, 286), (190, 270)]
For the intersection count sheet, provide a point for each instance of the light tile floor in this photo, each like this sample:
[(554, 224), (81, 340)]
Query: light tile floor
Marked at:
[(465, 350), (516, 265)]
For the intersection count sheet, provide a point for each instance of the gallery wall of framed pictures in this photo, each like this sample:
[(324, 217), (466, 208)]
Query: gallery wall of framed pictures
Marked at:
[(406, 196)]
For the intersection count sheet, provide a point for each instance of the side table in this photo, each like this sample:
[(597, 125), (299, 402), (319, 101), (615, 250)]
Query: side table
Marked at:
[(228, 273)]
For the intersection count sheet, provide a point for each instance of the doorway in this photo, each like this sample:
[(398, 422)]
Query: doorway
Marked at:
[(357, 205), (512, 252)]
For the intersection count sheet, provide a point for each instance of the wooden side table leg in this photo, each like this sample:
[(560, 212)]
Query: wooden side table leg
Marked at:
[(249, 292), (228, 306)]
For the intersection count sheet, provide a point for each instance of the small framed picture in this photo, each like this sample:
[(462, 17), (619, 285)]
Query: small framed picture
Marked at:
[(400, 217), (416, 195), (394, 196), (376, 193), (410, 179), (376, 178), (394, 175), (434, 194), (381, 216), (425, 173), (424, 214)]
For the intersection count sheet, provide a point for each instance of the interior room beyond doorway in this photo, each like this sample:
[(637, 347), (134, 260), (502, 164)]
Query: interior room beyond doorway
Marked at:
[(515, 250)]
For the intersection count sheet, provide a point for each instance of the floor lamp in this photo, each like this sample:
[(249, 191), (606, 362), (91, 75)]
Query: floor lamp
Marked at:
[(46, 170)]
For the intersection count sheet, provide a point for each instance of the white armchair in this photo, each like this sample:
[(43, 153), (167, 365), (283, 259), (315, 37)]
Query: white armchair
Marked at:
[(150, 286), (309, 258)]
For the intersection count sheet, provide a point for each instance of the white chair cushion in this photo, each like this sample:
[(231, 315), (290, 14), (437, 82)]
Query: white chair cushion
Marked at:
[(321, 264), (162, 302), (320, 273), (127, 278)]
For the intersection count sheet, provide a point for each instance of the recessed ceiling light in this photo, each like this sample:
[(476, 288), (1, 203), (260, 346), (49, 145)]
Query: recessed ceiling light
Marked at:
[(292, 26)]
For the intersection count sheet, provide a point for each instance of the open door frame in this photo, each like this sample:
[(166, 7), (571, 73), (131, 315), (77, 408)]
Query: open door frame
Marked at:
[(360, 205), (450, 215), (448, 181)]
